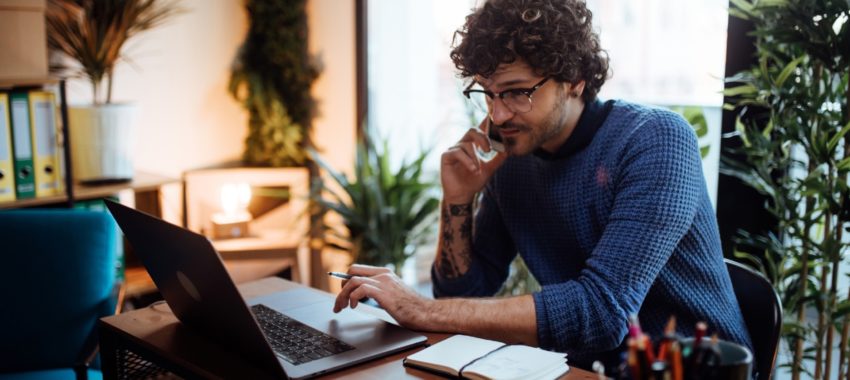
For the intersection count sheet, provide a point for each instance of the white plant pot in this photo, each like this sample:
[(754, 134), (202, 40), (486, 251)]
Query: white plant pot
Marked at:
[(101, 141)]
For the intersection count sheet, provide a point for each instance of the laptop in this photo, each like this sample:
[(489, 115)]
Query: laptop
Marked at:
[(288, 334)]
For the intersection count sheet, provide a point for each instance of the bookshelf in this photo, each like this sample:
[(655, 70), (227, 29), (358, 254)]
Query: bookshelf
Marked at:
[(8, 85), (142, 182), (11, 84)]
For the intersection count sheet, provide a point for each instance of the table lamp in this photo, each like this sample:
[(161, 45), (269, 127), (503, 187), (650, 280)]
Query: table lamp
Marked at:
[(232, 221)]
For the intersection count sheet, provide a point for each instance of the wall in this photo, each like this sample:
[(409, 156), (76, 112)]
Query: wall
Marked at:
[(332, 40), (178, 75)]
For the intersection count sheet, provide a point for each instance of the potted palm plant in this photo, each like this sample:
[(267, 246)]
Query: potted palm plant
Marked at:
[(794, 108), (89, 36), (387, 213)]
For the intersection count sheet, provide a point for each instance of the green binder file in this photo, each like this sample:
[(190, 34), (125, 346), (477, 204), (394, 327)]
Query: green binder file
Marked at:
[(22, 145)]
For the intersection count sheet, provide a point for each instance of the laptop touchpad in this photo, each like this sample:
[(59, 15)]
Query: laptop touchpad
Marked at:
[(291, 299)]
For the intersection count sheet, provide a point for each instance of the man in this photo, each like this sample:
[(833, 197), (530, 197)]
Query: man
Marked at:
[(605, 202)]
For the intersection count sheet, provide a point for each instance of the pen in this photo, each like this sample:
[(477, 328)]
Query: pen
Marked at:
[(344, 276), (634, 326), (702, 327)]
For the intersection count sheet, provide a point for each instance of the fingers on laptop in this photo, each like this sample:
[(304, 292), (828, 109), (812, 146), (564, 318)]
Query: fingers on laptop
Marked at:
[(363, 292), (344, 298)]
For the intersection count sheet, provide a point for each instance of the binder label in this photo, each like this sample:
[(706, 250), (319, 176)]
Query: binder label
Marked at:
[(5, 151), (20, 116), (7, 168)]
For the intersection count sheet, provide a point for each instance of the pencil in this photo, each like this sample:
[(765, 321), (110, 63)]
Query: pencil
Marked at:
[(633, 361), (669, 336), (676, 360)]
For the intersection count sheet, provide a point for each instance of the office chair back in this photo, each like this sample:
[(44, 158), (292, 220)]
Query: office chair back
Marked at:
[(762, 311), (58, 275)]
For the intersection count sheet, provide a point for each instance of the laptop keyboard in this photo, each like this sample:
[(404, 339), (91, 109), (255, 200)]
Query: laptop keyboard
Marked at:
[(294, 341)]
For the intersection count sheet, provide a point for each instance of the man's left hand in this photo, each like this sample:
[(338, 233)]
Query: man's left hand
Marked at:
[(403, 303)]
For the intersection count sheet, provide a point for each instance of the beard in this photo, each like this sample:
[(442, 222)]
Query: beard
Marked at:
[(552, 126)]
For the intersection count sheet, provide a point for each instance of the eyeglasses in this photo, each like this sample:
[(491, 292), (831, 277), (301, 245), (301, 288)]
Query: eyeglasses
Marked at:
[(517, 100)]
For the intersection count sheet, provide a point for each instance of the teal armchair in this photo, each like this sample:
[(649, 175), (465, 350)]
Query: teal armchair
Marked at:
[(57, 278)]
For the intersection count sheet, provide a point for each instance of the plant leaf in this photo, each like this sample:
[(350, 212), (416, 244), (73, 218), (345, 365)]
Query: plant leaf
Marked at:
[(746, 89), (788, 70), (833, 142)]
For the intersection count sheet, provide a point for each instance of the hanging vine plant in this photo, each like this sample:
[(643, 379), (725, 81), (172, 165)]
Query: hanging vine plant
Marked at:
[(271, 76)]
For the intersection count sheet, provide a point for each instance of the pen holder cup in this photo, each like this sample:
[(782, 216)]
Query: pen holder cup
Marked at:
[(736, 363)]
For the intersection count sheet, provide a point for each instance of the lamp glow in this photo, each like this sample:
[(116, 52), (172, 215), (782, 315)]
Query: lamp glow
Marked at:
[(233, 219)]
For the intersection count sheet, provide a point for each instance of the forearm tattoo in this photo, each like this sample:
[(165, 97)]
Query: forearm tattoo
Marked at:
[(460, 210), (456, 242)]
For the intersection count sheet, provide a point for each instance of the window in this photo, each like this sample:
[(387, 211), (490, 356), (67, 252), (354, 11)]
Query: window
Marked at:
[(414, 95)]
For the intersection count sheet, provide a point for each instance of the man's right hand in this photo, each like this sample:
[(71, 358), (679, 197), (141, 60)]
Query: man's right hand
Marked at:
[(462, 173)]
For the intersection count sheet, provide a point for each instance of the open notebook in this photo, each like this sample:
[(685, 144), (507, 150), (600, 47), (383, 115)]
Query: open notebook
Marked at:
[(475, 358)]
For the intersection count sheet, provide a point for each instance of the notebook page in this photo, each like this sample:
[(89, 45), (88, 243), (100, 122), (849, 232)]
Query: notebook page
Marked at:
[(455, 352), (518, 362)]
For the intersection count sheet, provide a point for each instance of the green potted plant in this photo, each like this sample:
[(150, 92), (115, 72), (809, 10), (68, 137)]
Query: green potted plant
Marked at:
[(271, 76), (794, 108), (387, 213), (88, 36)]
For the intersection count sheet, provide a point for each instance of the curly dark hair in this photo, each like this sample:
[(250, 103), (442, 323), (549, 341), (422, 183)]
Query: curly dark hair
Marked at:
[(555, 38)]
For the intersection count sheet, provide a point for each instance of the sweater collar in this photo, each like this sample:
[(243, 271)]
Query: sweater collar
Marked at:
[(592, 117)]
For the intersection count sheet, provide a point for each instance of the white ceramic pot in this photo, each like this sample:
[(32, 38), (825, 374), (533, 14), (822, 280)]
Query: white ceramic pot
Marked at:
[(101, 141)]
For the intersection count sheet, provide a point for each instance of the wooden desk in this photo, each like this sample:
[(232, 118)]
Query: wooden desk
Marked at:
[(150, 342)]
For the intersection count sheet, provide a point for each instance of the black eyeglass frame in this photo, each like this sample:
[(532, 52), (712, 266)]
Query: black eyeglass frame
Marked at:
[(528, 92)]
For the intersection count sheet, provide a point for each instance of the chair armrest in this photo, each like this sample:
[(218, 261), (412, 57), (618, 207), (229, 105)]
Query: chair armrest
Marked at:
[(91, 347)]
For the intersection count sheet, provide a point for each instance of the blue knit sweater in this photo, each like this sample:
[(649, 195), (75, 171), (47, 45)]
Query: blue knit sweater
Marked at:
[(620, 226)]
